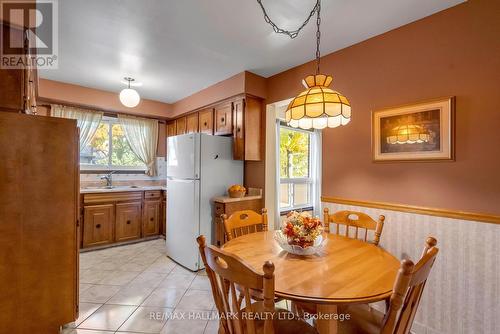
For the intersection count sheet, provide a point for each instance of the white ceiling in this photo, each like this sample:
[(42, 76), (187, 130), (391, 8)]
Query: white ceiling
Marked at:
[(177, 47)]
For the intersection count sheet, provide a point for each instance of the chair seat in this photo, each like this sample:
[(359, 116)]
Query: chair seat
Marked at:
[(284, 322), (363, 320)]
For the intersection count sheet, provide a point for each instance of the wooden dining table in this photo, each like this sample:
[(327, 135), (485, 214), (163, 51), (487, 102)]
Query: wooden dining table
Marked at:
[(345, 271)]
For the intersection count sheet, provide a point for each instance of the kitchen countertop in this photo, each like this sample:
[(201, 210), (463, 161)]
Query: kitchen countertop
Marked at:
[(253, 193), (227, 199), (91, 190)]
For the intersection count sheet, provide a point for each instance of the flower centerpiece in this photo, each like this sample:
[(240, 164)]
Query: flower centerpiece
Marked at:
[(301, 233)]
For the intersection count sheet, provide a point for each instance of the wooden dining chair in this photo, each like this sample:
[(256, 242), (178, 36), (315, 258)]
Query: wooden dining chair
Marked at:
[(225, 271), (244, 222), (360, 222), (404, 301)]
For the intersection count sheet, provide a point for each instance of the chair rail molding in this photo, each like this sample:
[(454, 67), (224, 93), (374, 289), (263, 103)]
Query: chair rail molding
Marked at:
[(462, 215)]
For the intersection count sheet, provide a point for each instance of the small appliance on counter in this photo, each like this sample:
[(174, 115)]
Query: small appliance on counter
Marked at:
[(199, 167)]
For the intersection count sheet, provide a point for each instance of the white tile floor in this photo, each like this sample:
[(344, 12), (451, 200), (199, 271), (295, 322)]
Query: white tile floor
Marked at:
[(138, 289)]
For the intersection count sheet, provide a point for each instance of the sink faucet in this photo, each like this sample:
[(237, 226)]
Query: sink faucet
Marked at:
[(108, 178)]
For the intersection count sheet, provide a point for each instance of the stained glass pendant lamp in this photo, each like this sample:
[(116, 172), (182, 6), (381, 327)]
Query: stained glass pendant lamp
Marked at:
[(318, 106)]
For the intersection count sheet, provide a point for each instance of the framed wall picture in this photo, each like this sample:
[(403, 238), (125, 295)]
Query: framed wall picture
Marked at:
[(418, 132)]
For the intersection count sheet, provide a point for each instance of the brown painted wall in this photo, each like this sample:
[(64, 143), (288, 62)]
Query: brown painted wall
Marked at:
[(244, 82), (230, 87), (454, 52), (64, 92)]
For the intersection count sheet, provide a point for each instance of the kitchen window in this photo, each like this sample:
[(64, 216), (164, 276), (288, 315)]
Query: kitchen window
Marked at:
[(298, 161), (109, 149)]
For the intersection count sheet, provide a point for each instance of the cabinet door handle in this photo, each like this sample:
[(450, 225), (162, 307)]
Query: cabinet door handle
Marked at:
[(128, 222), (222, 119), (98, 226), (205, 124), (151, 219), (239, 130)]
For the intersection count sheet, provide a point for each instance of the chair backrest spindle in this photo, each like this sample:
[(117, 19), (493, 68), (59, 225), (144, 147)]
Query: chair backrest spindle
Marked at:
[(244, 222), (357, 221)]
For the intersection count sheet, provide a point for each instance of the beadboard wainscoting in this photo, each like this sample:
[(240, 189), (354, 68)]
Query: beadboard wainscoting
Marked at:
[(462, 295)]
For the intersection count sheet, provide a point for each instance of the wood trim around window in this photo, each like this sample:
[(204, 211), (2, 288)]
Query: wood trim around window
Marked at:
[(473, 216)]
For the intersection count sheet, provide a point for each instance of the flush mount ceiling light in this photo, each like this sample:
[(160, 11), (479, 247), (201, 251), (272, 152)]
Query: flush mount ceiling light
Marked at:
[(318, 106), (128, 96), (408, 134)]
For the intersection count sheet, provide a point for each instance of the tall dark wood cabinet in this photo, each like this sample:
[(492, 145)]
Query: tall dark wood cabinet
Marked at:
[(11, 80), (39, 196)]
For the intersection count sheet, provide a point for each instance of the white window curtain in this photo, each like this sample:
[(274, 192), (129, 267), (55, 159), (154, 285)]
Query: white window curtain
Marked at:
[(142, 135), (88, 121)]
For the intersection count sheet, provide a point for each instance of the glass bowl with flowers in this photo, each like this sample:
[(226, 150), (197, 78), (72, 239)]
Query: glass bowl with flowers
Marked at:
[(301, 234)]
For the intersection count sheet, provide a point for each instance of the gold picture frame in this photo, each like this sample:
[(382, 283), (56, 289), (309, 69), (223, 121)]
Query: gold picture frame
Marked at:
[(422, 131)]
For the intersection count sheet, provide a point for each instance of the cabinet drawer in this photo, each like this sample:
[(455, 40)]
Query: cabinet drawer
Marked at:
[(98, 198), (152, 194), (224, 119)]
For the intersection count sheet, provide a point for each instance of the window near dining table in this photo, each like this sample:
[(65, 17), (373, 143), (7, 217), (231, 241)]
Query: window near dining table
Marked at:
[(296, 180), (109, 149)]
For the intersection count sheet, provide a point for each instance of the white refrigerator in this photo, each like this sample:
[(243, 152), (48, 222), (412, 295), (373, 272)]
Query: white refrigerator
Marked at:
[(199, 167)]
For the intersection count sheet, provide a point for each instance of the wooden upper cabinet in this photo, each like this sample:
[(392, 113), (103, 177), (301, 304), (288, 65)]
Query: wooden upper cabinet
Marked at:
[(192, 123), (241, 117), (128, 221), (98, 224), (238, 130), (180, 124), (206, 120), (253, 129), (171, 129), (224, 119), (151, 219)]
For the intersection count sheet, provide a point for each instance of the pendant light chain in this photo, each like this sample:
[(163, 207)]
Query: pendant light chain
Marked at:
[(294, 33), (318, 36)]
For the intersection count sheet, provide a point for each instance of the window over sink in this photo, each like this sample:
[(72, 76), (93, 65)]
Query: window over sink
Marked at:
[(109, 149)]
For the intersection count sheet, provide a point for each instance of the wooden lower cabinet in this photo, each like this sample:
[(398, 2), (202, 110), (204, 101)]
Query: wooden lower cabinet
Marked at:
[(128, 221), (98, 222), (151, 222), (119, 217), (163, 215)]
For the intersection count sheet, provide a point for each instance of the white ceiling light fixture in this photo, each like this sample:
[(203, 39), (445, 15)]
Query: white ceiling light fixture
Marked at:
[(128, 96)]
